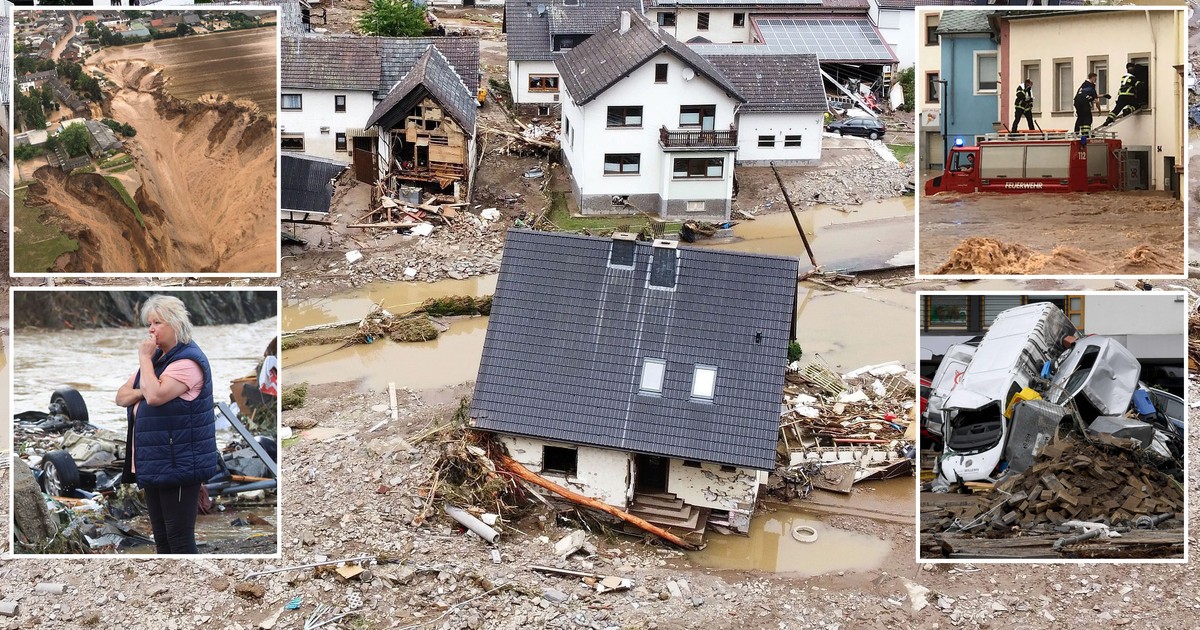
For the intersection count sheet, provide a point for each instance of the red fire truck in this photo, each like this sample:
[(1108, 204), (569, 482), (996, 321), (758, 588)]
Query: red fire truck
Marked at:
[(1048, 161)]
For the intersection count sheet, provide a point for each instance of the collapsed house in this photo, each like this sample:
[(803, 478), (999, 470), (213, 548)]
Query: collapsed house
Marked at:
[(641, 375)]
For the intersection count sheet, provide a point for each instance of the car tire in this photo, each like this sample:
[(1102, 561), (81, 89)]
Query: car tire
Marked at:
[(72, 402), (873, 135), (60, 475)]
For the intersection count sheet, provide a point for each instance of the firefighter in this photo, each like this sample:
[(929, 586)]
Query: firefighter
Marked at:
[(1127, 97), (1085, 99), (1024, 105)]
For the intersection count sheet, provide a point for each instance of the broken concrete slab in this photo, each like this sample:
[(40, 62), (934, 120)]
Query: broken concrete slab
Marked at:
[(555, 596), (570, 543)]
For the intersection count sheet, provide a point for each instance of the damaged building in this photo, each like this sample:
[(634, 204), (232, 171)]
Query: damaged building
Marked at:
[(642, 375)]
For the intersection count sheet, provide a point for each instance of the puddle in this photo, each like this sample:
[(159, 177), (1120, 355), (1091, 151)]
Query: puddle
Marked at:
[(395, 296), (215, 528), (770, 547), (892, 500), (850, 330)]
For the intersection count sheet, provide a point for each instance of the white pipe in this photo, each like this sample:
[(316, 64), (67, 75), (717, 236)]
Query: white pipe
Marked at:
[(473, 524)]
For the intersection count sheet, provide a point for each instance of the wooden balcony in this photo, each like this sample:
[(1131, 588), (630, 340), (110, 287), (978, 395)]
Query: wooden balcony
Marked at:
[(684, 140)]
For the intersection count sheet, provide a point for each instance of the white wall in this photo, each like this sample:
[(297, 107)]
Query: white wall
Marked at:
[(318, 112), (753, 124), (899, 31), (696, 189), (720, 24), (1151, 325), (518, 81), (708, 487), (602, 474), (660, 107)]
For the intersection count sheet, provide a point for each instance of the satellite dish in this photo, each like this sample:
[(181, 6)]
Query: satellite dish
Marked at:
[(688, 74), (541, 9)]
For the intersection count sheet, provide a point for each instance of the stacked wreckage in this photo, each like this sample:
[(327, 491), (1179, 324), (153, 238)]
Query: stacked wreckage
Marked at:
[(1067, 451)]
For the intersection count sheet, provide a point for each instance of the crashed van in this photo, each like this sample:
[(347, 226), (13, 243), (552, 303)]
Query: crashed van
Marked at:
[(1032, 377)]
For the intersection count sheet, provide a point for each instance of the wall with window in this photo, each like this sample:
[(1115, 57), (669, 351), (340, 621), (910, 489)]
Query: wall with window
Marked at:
[(601, 474), (782, 138), (716, 487), (969, 104), (541, 89), (723, 25), (899, 30), (1155, 38), (322, 116)]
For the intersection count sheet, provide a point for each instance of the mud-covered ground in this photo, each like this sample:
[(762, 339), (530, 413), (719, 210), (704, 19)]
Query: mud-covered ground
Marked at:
[(1033, 233)]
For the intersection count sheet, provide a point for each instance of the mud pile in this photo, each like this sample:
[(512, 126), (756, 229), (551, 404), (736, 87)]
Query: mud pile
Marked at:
[(988, 256)]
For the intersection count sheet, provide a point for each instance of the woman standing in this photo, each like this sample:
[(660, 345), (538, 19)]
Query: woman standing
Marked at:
[(172, 432)]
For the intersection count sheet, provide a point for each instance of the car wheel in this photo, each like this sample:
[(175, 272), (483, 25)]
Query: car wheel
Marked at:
[(873, 135), (70, 403), (60, 475)]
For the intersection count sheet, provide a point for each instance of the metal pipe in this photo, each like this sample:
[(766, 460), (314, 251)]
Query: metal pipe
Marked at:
[(470, 522), (308, 566)]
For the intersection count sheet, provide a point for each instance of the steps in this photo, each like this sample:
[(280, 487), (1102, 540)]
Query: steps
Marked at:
[(669, 512)]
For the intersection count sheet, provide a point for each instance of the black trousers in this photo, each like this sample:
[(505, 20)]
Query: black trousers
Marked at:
[(173, 517), (1028, 114), (1124, 105), (1083, 118)]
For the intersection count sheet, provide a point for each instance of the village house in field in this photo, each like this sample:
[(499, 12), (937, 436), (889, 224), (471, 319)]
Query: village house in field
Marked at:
[(646, 376)]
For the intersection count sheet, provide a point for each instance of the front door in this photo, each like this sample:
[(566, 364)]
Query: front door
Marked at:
[(364, 160), (650, 473)]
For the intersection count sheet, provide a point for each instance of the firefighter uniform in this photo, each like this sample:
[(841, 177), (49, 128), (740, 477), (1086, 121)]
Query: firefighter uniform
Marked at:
[(1024, 106), (1084, 98), (1126, 98)]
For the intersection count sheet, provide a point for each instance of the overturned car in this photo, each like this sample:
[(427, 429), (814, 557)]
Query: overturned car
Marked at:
[(998, 404)]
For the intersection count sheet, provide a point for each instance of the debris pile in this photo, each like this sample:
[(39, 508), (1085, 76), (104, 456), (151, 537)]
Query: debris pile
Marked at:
[(379, 323), (856, 185)]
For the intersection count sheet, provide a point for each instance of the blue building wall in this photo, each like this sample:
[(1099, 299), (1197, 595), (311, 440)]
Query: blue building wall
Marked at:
[(964, 113)]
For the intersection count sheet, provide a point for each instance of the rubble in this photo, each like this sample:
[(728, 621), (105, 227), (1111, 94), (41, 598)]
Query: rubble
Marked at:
[(855, 185)]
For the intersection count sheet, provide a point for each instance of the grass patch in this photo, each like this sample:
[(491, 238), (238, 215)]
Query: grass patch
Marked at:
[(413, 330), (293, 397), (122, 169), (116, 161), (457, 305), (903, 152), (84, 169), (137, 212), (37, 245), (561, 217)]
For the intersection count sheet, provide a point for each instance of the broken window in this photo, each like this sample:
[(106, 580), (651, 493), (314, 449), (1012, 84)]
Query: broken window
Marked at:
[(698, 167), (339, 140), (291, 142), (739, 20), (543, 83), (792, 141), (702, 21), (291, 101), (653, 371), (339, 102), (563, 461), (704, 382), (666, 19), (625, 116), (622, 163), (660, 73), (766, 142), (543, 110)]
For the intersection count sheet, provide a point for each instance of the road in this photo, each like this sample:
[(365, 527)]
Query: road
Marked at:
[(62, 43)]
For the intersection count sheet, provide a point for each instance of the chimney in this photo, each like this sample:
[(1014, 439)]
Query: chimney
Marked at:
[(624, 22)]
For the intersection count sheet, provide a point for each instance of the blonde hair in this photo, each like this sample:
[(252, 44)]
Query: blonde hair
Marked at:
[(173, 313)]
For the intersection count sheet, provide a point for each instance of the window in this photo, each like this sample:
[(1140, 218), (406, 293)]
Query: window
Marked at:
[(792, 141), (703, 116), (664, 264), (699, 167), (694, 206), (291, 141), (739, 20), (339, 141), (543, 83), (660, 73), (986, 74), (1099, 65), (931, 25), (543, 110), (766, 142), (339, 102), (727, 468), (948, 311), (1032, 70), (666, 19), (622, 253), (653, 371), (1143, 73), (691, 463), (933, 89), (625, 116), (701, 21), (1064, 86), (704, 382), (622, 163), (556, 459), (291, 101)]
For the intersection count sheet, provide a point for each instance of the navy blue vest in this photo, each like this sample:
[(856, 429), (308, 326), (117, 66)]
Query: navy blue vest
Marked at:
[(175, 444)]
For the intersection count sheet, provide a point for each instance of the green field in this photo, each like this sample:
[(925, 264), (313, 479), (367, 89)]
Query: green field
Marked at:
[(36, 245), (137, 212), (903, 152), (561, 217)]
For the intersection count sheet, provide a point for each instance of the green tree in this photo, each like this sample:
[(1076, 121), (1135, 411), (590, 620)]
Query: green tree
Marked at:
[(93, 30), (907, 77), (31, 111), (393, 18), (47, 94), (74, 139), (183, 30)]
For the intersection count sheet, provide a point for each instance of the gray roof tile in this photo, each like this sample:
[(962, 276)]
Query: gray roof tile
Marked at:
[(775, 83), (352, 62), (609, 56), (437, 77), (964, 22), (567, 336), (305, 182)]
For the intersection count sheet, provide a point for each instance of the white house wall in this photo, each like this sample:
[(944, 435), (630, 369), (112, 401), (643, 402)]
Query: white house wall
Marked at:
[(318, 112), (898, 27), (709, 487), (518, 81), (720, 25), (601, 474), (751, 125)]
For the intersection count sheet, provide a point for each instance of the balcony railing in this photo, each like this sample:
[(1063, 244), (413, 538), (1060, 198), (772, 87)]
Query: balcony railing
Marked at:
[(696, 139)]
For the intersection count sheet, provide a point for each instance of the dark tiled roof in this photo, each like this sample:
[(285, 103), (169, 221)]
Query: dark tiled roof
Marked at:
[(568, 334), (528, 32), (306, 182), (351, 62), (586, 16), (793, 6), (775, 83), (964, 22), (437, 78), (609, 56)]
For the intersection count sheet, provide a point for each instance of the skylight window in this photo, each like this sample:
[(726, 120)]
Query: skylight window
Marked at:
[(704, 382), (653, 371)]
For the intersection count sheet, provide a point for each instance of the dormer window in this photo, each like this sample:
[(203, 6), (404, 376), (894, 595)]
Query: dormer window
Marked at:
[(653, 371), (704, 382)]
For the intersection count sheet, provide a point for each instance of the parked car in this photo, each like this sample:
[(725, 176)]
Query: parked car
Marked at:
[(861, 126)]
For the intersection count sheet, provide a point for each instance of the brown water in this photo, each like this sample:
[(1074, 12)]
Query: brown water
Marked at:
[(240, 64), (398, 297), (215, 528), (771, 547), (861, 327)]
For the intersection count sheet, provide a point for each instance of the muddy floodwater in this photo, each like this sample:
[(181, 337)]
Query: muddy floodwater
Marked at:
[(1121, 233), (217, 528), (240, 64), (98, 361)]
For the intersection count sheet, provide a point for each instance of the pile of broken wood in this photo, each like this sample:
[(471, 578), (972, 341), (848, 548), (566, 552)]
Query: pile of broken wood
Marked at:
[(392, 213)]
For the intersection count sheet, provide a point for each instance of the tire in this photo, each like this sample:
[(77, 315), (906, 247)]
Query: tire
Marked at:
[(72, 403), (60, 475), (873, 135)]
